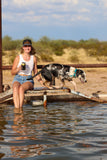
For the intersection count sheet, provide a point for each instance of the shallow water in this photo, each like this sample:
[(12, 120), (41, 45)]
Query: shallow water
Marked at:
[(66, 131)]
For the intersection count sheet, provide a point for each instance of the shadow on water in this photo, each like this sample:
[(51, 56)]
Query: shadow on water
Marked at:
[(76, 131)]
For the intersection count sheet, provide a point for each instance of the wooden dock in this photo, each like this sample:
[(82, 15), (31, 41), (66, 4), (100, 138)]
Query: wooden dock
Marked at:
[(42, 95)]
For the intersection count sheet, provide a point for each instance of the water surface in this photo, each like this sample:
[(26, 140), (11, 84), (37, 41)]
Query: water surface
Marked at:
[(66, 131)]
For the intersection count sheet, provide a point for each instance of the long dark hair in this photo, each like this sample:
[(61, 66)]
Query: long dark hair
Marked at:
[(32, 52)]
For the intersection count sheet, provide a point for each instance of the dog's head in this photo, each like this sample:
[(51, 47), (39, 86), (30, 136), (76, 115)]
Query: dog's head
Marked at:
[(81, 75), (5, 87)]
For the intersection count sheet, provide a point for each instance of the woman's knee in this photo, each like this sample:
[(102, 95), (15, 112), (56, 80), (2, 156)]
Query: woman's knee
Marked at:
[(21, 89), (16, 88)]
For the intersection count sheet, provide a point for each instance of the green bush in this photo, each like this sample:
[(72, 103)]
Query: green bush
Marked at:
[(59, 53), (46, 58), (9, 44), (74, 58), (91, 52), (45, 45), (57, 47), (103, 59), (12, 57), (3, 53)]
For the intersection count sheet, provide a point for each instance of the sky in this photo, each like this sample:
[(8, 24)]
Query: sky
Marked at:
[(55, 19)]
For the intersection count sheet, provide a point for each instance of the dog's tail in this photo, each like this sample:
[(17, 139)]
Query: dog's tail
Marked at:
[(34, 75)]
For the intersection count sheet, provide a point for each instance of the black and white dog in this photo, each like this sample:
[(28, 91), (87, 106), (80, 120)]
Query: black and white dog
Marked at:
[(63, 72)]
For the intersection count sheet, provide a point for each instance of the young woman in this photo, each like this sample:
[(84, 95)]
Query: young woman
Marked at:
[(23, 66)]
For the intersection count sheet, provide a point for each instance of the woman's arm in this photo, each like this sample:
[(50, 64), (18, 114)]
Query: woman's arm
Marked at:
[(15, 70), (38, 77)]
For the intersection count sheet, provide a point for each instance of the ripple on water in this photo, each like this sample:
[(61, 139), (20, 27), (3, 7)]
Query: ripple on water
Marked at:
[(75, 131)]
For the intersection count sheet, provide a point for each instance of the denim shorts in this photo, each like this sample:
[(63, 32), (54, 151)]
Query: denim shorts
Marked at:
[(22, 79)]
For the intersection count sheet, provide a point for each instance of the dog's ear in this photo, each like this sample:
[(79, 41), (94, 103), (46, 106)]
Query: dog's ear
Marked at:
[(78, 72)]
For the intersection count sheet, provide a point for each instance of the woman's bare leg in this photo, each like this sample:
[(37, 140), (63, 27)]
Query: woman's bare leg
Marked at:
[(16, 86), (24, 87)]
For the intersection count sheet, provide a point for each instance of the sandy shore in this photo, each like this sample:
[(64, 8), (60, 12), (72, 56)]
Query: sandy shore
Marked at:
[(96, 81)]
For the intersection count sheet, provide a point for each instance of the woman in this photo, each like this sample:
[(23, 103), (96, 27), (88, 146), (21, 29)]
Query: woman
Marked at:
[(23, 66)]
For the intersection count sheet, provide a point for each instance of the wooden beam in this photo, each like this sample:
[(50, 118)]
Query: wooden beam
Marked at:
[(5, 96), (64, 94), (103, 65), (1, 88)]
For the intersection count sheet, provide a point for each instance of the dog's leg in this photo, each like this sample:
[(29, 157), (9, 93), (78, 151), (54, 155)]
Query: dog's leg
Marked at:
[(62, 84), (52, 83), (74, 84), (46, 84)]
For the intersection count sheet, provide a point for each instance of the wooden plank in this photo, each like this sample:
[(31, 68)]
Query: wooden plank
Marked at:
[(53, 94), (90, 97), (67, 90), (101, 96), (102, 65), (5, 96), (45, 89)]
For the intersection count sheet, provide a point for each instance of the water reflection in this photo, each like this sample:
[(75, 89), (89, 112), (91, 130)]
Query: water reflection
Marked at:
[(24, 131), (2, 127), (65, 131)]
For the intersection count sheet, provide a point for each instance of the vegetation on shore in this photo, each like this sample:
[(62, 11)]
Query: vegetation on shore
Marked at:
[(62, 51)]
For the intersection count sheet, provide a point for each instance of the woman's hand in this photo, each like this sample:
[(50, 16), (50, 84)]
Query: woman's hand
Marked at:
[(15, 70)]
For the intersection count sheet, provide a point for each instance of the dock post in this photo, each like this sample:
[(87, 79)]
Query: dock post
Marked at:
[(45, 100), (1, 88)]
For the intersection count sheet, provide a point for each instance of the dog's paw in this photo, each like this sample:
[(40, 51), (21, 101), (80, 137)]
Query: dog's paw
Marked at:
[(57, 87), (51, 87)]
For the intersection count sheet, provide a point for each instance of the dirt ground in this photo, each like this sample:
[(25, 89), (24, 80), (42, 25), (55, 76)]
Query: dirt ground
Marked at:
[(96, 77), (96, 81)]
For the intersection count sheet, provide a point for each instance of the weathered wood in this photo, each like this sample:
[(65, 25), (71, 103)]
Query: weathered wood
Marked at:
[(72, 95), (1, 76), (102, 65), (90, 97), (101, 96), (45, 89), (54, 95), (5, 96)]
